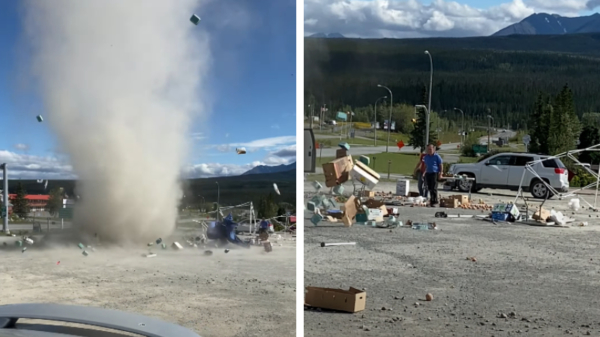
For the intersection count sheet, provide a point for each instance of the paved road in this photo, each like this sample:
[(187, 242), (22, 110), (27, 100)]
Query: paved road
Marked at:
[(509, 133), (357, 151)]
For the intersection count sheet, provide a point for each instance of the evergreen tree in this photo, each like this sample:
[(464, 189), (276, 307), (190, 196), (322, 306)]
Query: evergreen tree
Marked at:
[(417, 135), (20, 204), (55, 202), (590, 136)]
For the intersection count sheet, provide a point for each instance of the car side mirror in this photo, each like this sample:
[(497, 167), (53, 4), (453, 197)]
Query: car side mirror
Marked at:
[(487, 163)]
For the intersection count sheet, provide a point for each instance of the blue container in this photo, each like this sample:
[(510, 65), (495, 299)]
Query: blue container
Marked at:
[(500, 216)]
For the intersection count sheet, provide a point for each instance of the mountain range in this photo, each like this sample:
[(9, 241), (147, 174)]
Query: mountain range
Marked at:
[(552, 24), (263, 169), (328, 36)]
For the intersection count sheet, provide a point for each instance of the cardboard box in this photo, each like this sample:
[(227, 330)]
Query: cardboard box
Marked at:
[(541, 214), (372, 203), (364, 177), (402, 187), (449, 203), (368, 194), (377, 214), (340, 153), (352, 300), (336, 171), (462, 199)]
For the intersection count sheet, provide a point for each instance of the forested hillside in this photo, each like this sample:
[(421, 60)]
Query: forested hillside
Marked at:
[(502, 74)]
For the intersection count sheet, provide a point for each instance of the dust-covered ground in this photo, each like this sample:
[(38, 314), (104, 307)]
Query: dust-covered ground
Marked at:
[(526, 281), (245, 292)]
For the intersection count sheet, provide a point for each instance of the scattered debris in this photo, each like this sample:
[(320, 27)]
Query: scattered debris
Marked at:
[(195, 19), (208, 252), (276, 189), (226, 251), (323, 244), (150, 255), (40, 118), (85, 253), (429, 297), (177, 246)]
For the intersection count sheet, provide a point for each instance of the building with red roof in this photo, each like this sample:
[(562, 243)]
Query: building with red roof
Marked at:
[(37, 203)]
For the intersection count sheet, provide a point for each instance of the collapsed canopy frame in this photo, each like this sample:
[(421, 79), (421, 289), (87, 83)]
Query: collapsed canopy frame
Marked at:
[(561, 195)]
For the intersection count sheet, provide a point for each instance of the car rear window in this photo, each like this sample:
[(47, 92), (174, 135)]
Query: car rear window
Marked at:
[(553, 163)]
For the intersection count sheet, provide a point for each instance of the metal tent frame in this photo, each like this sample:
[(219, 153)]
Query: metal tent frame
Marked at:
[(570, 155)]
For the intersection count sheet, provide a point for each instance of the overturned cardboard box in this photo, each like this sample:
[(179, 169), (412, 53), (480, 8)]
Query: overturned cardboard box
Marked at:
[(352, 300), (336, 172), (449, 202), (541, 215)]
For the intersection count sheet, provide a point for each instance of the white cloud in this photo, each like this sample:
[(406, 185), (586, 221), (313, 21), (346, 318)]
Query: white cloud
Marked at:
[(22, 147), (411, 18), (35, 167), (22, 166), (269, 144), (198, 136)]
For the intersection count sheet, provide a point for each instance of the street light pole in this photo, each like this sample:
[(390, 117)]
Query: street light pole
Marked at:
[(462, 135), (389, 120), (375, 119), (490, 118), (310, 112), (429, 105), (218, 199), (5, 197)]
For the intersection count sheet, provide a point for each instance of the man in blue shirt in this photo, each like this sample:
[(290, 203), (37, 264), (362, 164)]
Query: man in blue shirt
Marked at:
[(433, 171)]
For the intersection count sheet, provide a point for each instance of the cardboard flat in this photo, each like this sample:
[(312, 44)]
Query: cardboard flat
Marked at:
[(350, 209), (352, 300)]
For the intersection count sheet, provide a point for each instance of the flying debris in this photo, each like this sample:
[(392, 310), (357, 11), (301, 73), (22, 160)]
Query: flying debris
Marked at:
[(46, 185), (195, 19), (40, 118), (241, 150), (276, 189), (40, 181)]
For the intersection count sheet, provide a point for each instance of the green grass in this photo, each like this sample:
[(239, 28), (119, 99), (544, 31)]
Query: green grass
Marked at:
[(463, 159), (401, 163)]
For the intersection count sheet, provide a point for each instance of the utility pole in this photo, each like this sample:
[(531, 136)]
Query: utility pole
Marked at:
[(5, 198), (389, 126), (489, 125), (429, 105)]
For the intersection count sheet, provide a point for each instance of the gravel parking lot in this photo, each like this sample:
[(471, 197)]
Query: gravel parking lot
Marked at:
[(239, 293), (527, 280)]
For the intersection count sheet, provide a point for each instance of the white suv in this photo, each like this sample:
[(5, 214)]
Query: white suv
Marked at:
[(505, 170)]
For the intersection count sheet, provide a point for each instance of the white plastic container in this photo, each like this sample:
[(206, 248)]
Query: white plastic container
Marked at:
[(402, 187)]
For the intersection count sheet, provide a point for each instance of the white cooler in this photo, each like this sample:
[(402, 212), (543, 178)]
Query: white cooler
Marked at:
[(365, 178), (402, 187)]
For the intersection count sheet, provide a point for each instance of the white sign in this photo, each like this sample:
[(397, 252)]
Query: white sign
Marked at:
[(526, 139)]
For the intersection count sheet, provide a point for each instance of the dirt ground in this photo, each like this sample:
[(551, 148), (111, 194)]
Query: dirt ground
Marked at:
[(528, 281), (245, 292)]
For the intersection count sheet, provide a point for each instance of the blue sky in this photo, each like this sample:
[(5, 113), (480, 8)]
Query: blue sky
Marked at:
[(437, 18), (252, 83)]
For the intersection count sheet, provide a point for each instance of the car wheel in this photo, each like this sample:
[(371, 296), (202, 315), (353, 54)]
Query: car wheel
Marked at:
[(464, 186), (539, 190)]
